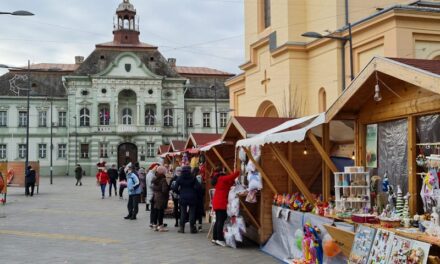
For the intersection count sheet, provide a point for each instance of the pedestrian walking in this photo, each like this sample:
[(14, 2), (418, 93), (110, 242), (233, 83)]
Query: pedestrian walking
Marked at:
[(30, 180), (113, 177), (160, 197), (223, 184), (134, 193), (175, 195), (78, 175), (102, 180), (188, 188), (148, 188), (142, 177), (122, 181)]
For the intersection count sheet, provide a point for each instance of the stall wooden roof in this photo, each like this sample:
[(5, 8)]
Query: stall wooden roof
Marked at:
[(163, 149), (177, 145), (246, 126), (392, 72), (199, 139)]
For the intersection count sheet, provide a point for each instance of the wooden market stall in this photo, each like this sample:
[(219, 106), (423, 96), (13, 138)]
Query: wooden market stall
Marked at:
[(398, 102), (14, 174)]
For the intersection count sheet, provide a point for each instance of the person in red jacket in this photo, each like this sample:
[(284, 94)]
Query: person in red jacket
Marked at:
[(102, 180), (223, 184)]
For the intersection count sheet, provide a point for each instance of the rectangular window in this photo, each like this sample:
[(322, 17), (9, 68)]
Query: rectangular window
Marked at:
[(206, 119), (85, 151), (22, 119), (267, 19), (104, 116), (223, 119), (62, 149), (22, 151), (62, 118), (189, 119), (103, 150), (42, 151), (3, 118), (150, 115), (151, 150), (3, 151), (42, 118)]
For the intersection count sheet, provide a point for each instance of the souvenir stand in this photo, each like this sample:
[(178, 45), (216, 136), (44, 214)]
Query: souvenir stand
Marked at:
[(14, 174), (395, 104)]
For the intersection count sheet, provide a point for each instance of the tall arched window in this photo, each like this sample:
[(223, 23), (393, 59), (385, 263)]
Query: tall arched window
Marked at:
[(150, 115), (168, 117), (322, 104), (127, 116), (84, 117)]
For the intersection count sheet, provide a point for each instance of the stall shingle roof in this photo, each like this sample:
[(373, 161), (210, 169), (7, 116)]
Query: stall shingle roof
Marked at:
[(256, 125), (177, 145), (427, 65)]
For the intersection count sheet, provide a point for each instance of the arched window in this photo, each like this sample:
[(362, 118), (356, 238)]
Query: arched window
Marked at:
[(150, 115), (84, 117), (104, 115), (322, 97), (127, 116), (168, 117)]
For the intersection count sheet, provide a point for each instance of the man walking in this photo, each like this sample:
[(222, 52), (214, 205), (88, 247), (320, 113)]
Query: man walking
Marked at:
[(134, 193), (78, 175), (113, 177), (30, 181)]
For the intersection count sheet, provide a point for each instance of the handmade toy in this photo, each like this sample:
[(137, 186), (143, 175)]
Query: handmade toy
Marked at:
[(385, 183), (312, 245), (399, 202), (330, 247)]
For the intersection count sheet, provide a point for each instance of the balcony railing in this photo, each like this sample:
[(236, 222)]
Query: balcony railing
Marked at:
[(127, 129)]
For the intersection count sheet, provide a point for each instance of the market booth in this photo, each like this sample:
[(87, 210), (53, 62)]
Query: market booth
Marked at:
[(395, 104), (13, 173)]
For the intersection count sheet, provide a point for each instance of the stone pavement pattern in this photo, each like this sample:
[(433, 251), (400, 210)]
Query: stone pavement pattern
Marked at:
[(70, 224)]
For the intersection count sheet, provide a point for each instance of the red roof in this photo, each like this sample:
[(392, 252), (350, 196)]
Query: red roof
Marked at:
[(163, 149), (256, 125), (200, 71), (203, 138), (427, 65), (178, 145), (112, 44)]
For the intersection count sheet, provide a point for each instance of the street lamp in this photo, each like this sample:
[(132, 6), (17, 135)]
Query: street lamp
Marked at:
[(76, 140), (18, 13), (344, 40)]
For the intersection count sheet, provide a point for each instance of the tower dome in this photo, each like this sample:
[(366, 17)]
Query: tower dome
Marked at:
[(126, 6)]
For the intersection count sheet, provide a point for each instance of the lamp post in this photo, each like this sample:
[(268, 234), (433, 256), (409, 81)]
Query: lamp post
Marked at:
[(215, 107), (344, 41), (76, 140), (18, 13)]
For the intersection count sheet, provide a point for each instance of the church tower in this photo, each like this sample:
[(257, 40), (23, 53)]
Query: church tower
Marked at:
[(126, 24)]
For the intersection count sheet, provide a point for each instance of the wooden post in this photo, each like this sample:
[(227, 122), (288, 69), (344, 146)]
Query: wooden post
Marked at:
[(412, 169), (326, 181), (290, 157), (322, 152), (292, 173), (263, 174), (361, 144), (356, 143), (210, 161), (222, 160)]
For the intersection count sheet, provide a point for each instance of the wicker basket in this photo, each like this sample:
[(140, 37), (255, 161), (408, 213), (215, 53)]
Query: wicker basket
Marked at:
[(390, 223)]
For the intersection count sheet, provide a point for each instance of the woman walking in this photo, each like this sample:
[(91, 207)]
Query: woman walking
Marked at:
[(102, 180), (122, 181), (148, 187), (223, 184), (188, 188), (160, 197), (78, 175)]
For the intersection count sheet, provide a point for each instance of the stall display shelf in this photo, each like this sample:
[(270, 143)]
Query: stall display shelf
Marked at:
[(352, 190)]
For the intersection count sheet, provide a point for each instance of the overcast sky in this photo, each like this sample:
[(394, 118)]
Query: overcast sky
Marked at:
[(196, 32)]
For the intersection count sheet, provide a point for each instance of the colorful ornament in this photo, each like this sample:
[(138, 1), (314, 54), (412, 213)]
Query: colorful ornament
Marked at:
[(399, 202), (385, 183), (330, 247)]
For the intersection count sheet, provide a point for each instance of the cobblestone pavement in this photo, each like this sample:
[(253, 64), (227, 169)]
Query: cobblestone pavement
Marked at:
[(69, 224)]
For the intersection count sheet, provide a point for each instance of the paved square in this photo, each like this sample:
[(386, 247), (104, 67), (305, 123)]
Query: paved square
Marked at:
[(71, 224)]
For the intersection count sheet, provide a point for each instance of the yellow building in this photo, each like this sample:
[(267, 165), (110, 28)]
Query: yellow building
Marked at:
[(288, 75)]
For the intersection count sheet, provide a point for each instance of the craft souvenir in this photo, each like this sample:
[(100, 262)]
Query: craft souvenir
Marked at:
[(421, 160), (312, 245), (407, 251), (330, 247), (362, 243), (381, 248), (385, 183), (399, 202)]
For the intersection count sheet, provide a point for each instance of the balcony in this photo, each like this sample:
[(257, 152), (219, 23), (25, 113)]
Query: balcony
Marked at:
[(127, 129)]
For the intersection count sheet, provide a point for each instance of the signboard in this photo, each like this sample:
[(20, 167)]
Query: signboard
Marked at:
[(371, 146)]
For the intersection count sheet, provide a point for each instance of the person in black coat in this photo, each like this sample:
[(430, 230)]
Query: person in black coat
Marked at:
[(200, 205), (122, 181), (188, 188), (30, 180), (113, 177)]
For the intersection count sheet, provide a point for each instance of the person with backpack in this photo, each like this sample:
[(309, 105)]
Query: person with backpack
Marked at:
[(188, 188), (175, 194), (134, 193), (148, 187), (122, 181), (160, 197), (78, 175), (113, 177), (30, 179), (102, 180)]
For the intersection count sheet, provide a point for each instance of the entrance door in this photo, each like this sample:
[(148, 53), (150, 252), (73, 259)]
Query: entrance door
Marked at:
[(127, 152)]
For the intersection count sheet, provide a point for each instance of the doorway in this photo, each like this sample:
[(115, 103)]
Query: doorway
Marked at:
[(127, 152)]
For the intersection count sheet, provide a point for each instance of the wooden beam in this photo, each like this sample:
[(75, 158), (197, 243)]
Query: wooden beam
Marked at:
[(326, 174), (291, 160), (222, 160), (263, 174), (345, 116), (292, 173), (209, 161), (412, 167), (322, 152), (249, 214)]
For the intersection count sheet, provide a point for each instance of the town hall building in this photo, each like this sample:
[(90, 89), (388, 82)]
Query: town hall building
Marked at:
[(119, 104)]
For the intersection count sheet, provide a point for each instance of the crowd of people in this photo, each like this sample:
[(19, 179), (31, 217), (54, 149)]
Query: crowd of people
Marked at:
[(161, 188)]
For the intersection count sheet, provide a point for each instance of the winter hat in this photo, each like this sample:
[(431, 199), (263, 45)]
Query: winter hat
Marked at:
[(186, 170), (161, 170), (178, 171)]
